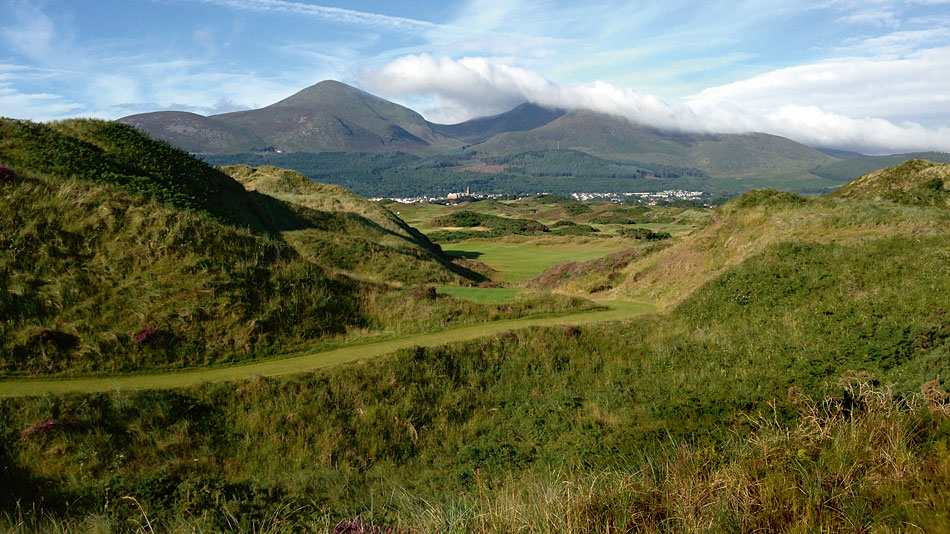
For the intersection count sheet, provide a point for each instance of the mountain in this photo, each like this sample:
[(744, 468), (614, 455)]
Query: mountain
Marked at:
[(326, 117), (525, 117), (618, 138), (332, 117), (195, 133)]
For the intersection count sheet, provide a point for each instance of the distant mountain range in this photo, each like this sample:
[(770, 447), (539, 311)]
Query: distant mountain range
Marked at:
[(332, 117)]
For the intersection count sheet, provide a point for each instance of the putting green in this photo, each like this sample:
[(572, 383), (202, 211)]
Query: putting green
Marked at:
[(518, 262), (308, 361)]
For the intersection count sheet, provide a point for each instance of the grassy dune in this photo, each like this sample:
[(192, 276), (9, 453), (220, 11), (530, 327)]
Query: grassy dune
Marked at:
[(795, 382), (123, 254), (761, 219)]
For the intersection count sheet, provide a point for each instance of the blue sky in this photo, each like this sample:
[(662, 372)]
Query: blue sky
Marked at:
[(871, 75)]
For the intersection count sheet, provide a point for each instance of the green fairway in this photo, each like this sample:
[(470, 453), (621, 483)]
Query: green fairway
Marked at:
[(309, 360), (481, 295), (518, 262)]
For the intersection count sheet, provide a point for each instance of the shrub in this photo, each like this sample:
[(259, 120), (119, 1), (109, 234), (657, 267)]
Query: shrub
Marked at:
[(644, 233), (767, 198)]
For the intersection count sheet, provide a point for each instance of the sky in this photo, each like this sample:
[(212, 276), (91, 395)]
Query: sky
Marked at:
[(866, 75)]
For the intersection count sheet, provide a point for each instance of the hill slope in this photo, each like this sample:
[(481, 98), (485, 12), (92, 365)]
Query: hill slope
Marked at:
[(915, 182), (350, 234), (125, 253), (195, 133)]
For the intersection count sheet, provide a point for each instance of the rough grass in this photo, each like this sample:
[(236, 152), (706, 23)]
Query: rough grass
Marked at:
[(915, 182), (657, 416), (95, 279), (591, 276), (123, 254), (350, 234), (740, 231)]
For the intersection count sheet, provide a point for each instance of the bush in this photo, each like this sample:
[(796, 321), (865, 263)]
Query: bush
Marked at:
[(644, 233), (767, 198)]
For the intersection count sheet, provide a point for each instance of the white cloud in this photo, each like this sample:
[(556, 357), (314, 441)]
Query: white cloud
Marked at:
[(915, 88), (852, 104), (332, 14), (43, 106)]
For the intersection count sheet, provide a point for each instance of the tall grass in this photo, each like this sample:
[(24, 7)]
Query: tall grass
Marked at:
[(861, 460)]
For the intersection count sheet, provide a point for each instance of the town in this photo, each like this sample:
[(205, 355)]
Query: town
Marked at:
[(649, 198)]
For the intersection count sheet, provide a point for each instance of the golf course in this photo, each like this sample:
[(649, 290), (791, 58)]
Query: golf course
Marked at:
[(310, 361)]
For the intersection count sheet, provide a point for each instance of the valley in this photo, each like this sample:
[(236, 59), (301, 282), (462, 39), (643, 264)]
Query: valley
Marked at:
[(189, 348)]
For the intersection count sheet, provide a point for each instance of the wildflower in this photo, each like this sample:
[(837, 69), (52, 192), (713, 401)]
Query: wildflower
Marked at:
[(143, 334)]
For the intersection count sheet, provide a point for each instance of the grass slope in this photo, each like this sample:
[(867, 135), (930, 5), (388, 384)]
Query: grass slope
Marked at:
[(915, 182), (518, 260), (640, 413), (350, 234), (122, 253), (759, 219), (797, 384), (855, 165)]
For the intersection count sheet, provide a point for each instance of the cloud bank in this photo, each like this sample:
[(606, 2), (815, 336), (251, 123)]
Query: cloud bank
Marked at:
[(847, 103)]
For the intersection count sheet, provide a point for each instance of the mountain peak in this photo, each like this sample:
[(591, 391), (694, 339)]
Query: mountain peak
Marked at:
[(320, 93), (524, 117)]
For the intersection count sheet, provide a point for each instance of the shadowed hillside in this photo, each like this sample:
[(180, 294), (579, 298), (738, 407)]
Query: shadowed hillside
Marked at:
[(350, 234), (125, 253), (618, 138)]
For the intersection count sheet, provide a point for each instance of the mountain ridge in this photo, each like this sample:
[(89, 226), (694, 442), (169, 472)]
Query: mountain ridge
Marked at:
[(332, 116)]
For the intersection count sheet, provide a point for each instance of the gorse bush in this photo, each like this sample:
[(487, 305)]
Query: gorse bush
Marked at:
[(766, 198)]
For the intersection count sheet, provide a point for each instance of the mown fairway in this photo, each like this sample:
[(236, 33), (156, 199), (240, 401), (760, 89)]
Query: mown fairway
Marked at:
[(519, 261), (484, 295), (308, 361)]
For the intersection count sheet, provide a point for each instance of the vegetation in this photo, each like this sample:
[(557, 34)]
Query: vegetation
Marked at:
[(109, 266), (796, 380), (518, 259), (348, 234), (625, 411), (480, 294), (913, 183), (851, 168), (644, 233), (492, 226)]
